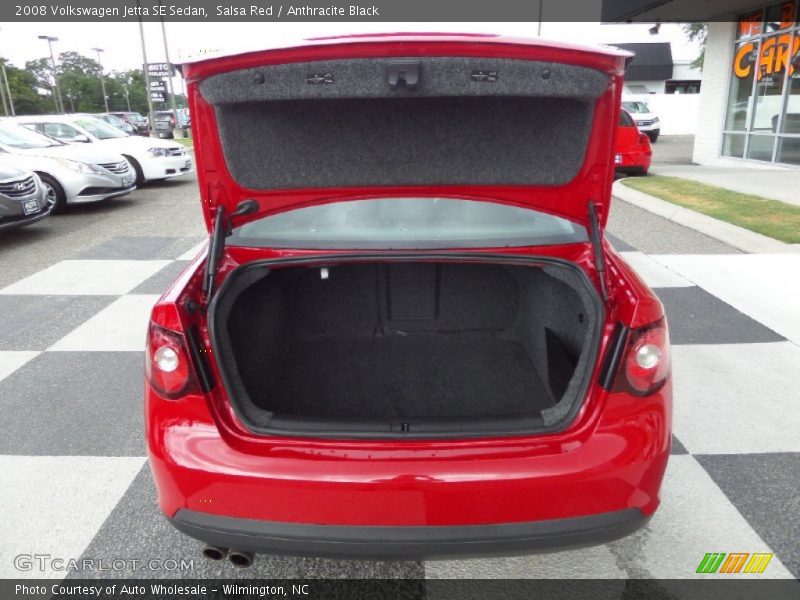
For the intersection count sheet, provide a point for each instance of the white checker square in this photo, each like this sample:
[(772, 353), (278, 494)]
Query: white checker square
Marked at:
[(54, 505), (11, 360), (737, 398), (121, 326), (695, 517), (653, 273), (87, 278)]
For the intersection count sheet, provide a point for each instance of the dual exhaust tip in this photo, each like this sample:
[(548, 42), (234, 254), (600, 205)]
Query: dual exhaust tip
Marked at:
[(238, 558)]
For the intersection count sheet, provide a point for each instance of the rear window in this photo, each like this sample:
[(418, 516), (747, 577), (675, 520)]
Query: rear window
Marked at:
[(635, 107), (408, 223), (625, 120), (100, 129)]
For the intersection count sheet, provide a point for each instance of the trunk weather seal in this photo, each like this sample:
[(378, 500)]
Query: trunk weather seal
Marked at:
[(322, 427)]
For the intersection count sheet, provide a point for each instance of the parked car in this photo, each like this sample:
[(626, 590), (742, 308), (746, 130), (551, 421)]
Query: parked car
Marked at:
[(135, 119), (184, 117), (647, 121), (632, 153), (151, 159), (22, 197), (407, 336), (69, 174), (117, 122), (164, 123)]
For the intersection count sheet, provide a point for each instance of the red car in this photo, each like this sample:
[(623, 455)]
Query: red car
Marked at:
[(633, 152), (408, 336)]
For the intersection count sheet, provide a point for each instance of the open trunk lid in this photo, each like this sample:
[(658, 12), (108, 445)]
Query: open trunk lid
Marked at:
[(525, 123)]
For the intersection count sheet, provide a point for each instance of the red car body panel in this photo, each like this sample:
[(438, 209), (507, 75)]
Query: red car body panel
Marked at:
[(611, 457), (633, 150), (594, 180)]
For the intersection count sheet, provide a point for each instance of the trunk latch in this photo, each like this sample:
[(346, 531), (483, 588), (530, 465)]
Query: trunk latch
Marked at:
[(403, 75)]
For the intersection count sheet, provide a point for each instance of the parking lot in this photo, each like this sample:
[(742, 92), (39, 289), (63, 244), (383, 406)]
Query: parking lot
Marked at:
[(75, 294)]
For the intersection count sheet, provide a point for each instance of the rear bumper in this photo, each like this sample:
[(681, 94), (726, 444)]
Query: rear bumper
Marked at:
[(633, 161), (407, 542), (167, 167)]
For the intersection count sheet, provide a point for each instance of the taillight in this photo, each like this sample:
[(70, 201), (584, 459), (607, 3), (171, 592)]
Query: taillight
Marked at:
[(645, 363), (643, 139), (167, 366)]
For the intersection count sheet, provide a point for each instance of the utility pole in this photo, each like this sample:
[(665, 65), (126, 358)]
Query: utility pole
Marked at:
[(169, 64), (8, 91), (3, 94), (56, 90), (102, 79), (146, 75)]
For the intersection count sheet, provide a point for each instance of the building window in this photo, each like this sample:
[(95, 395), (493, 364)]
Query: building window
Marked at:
[(763, 111), (688, 86)]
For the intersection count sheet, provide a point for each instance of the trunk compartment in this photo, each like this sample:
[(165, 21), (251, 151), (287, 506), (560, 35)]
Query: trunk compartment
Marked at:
[(400, 347)]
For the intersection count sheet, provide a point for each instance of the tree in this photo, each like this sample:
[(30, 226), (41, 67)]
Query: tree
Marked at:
[(131, 83), (79, 78), (697, 32), (23, 86)]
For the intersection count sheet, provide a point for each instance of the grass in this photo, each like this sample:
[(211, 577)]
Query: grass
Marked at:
[(185, 141), (772, 218)]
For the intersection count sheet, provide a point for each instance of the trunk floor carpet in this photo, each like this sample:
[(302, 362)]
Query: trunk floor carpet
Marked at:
[(420, 375)]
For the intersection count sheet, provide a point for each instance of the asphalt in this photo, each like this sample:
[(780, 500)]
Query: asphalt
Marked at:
[(650, 233), (166, 209)]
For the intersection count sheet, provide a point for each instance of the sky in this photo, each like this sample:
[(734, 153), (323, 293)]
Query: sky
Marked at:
[(19, 41)]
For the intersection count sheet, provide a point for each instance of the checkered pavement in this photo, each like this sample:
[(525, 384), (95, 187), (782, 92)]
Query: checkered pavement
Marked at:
[(74, 480)]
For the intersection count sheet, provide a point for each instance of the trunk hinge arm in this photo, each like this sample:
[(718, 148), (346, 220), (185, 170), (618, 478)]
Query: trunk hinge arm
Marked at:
[(596, 237), (216, 242)]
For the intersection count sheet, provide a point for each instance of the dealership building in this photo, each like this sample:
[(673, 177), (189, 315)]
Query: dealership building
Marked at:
[(749, 106)]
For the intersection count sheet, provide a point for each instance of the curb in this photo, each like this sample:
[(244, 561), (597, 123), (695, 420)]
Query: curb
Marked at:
[(733, 235)]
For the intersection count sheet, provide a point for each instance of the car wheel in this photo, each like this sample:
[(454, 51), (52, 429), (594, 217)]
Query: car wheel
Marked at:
[(137, 169), (55, 195), (653, 136)]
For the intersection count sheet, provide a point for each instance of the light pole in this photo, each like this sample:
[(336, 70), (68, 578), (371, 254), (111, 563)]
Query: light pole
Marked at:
[(150, 121), (127, 96), (102, 79), (169, 67), (56, 90)]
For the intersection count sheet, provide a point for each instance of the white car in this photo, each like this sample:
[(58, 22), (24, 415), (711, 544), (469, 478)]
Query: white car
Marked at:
[(69, 174), (647, 122), (152, 159)]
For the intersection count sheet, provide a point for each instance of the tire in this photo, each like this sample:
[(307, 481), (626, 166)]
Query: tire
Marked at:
[(137, 169), (56, 196), (653, 136)]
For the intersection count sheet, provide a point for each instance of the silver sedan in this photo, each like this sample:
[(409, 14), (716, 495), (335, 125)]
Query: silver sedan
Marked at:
[(69, 174)]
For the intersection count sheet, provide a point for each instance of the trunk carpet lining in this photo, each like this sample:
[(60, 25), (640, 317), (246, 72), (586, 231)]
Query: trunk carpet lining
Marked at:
[(412, 376)]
